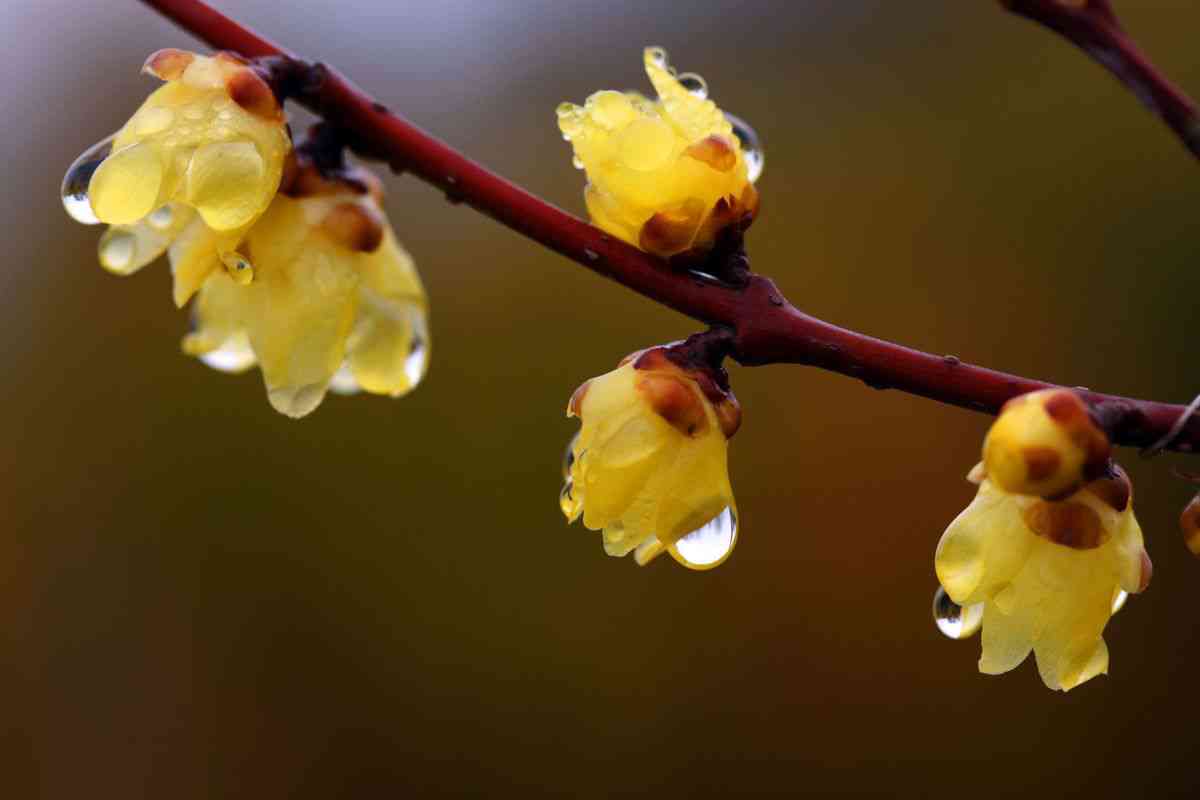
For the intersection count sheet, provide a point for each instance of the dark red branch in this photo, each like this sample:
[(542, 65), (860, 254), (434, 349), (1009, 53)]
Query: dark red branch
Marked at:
[(766, 329), (1093, 27)]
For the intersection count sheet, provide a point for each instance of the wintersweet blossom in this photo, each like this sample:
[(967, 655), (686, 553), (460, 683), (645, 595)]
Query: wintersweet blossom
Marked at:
[(1049, 573), (666, 175), (649, 466), (320, 295)]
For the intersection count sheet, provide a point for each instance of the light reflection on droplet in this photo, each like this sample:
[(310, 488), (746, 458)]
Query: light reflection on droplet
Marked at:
[(161, 217), (953, 620), (417, 360), (116, 250), (79, 176), (709, 544)]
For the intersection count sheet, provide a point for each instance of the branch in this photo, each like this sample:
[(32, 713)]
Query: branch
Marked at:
[(1093, 26), (766, 328)]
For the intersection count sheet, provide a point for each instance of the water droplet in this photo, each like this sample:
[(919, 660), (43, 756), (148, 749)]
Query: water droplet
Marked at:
[(79, 175), (116, 250), (657, 56), (569, 457), (752, 149), (1119, 600), (577, 162), (161, 217), (591, 255), (418, 355), (952, 619), (238, 267), (297, 401), (234, 355), (709, 544), (694, 84), (344, 382), (567, 501)]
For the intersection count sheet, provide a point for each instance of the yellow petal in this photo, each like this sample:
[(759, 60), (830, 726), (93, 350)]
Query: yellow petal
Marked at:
[(125, 187), (227, 183)]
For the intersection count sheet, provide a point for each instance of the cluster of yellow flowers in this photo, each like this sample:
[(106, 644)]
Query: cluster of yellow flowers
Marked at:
[(293, 270)]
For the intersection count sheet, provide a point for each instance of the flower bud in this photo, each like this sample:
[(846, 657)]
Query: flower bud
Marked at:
[(666, 175), (649, 466), (1045, 444)]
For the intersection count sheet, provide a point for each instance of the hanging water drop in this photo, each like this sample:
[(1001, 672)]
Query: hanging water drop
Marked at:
[(657, 56), (694, 84), (238, 267), (1119, 600), (234, 355), (577, 162), (344, 382), (570, 501), (117, 248), (953, 620), (569, 457), (79, 175), (709, 544), (752, 150)]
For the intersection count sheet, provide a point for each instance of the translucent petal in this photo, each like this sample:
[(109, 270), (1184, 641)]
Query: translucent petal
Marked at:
[(126, 186), (227, 183)]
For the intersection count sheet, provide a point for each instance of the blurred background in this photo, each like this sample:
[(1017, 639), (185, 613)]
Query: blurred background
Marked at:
[(201, 598)]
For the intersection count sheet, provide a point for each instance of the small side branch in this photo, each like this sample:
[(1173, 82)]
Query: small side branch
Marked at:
[(1093, 26)]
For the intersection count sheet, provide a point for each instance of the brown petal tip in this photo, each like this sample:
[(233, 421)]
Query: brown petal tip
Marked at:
[(1069, 524), (716, 151), (1189, 523), (168, 64), (355, 226), (251, 92), (667, 233), (673, 399)]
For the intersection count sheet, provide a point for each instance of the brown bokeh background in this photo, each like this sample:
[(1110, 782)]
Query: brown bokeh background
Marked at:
[(201, 598)]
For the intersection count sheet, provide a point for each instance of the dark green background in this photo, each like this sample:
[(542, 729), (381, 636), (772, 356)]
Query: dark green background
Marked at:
[(201, 598)]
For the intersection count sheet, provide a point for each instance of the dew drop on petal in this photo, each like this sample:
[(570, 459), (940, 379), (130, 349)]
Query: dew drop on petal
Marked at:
[(709, 544), (569, 456), (953, 620), (577, 162), (297, 401), (751, 145), (79, 175), (238, 267), (694, 84), (161, 217), (234, 355), (417, 360), (1119, 600), (344, 382), (116, 250), (657, 55)]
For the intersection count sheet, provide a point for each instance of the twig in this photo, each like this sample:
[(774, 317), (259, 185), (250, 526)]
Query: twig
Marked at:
[(1093, 26), (765, 328)]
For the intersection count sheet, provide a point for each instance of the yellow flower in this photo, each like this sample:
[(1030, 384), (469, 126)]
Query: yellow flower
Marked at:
[(649, 465), (1048, 572), (666, 175), (213, 137), (323, 297), (1044, 443), (190, 171)]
